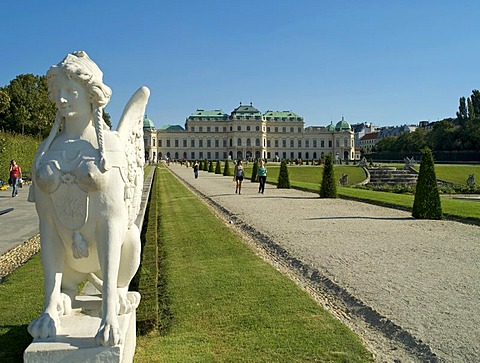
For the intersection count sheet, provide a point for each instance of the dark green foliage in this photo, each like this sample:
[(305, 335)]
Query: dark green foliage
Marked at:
[(18, 147), (205, 165), (200, 165), (30, 112), (427, 203), (210, 166), (218, 168), (148, 279), (226, 169), (283, 179), (254, 172), (328, 188), (306, 162)]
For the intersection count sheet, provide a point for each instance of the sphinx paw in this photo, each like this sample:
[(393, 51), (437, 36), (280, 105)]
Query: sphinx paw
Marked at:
[(108, 335), (44, 326)]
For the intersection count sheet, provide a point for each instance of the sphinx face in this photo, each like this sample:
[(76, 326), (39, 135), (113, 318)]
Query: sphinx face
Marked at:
[(72, 99)]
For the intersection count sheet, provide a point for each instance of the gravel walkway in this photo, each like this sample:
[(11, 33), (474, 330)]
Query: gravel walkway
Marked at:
[(408, 287)]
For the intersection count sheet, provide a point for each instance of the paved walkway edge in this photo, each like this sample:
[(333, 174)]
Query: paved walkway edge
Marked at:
[(331, 295)]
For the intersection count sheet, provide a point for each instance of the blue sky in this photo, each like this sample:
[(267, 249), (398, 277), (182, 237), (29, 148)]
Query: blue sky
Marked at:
[(387, 62)]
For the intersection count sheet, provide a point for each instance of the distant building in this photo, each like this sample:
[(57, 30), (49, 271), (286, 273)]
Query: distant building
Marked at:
[(369, 141), (247, 133)]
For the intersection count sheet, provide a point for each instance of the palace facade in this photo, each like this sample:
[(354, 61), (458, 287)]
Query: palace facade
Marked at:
[(247, 133)]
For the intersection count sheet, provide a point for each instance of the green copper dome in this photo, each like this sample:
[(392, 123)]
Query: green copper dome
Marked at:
[(148, 124), (342, 125), (330, 128)]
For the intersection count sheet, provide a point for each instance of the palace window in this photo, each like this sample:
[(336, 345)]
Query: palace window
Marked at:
[(257, 142), (239, 128), (200, 128), (209, 143), (192, 143), (291, 143), (307, 143), (249, 142), (315, 143), (239, 142), (200, 143), (248, 128), (168, 143), (276, 143), (300, 143), (291, 129), (284, 143), (176, 144), (208, 128), (184, 143), (216, 143)]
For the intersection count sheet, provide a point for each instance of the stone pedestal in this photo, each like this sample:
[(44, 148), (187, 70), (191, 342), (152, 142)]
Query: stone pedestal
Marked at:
[(75, 341)]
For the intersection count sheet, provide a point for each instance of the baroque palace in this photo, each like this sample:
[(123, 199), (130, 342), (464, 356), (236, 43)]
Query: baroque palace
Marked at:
[(247, 133)]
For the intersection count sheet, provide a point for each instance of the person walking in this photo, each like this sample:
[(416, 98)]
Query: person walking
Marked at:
[(15, 175), (238, 176), (262, 176), (195, 169)]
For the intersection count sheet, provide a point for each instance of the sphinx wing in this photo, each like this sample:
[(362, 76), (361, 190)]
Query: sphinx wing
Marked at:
[(130, 130)]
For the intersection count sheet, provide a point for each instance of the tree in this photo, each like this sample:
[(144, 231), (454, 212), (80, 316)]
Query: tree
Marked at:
[(254, 172), (328, 187), (205, 165), (462, 113), (210, 166), (200, 165), (442, 136), (30, 111), (427, 204), (107, 118), (471, 111), (218, 169), (283, 179), (4, 102), (226, 169), (476, 102)]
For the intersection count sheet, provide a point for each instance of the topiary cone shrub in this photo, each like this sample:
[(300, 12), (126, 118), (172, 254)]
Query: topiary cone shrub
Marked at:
[(427, 204), (283, 180), (210, 166), (205, 165), (254, 172), (200, 166), (218, 169), (328, 188), (226, 169)]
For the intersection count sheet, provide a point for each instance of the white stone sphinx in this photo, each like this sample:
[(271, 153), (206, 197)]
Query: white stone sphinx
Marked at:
[(87, 186)]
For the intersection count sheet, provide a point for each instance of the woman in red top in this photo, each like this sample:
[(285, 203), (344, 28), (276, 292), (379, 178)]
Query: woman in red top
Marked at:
[(15, 175)]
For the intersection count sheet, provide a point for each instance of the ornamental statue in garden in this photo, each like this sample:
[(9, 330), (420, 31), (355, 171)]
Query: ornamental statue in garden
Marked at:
[(87, 186)]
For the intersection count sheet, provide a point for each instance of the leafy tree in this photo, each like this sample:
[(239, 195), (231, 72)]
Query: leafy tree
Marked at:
[(328, 187), (442, 136), (226, 169), (462, 113), (476, 102), (283, 179), (30, 110), (427, 204), (4, 102), (107, 118), (254, 172), (471, 111), (218, 169)]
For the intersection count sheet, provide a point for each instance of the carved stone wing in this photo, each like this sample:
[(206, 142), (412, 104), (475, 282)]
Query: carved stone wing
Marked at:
[(130, 130)]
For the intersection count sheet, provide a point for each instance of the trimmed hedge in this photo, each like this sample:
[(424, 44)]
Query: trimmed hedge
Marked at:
[(328, 188), (19, 147), (283, 179), (427, 204)]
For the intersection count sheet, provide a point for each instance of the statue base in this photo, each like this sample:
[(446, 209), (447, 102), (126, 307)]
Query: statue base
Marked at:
[(75, 340)]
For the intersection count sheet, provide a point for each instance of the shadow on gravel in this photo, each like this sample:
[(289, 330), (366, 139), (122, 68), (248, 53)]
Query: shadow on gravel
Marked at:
[(290, 197), (359, 217)]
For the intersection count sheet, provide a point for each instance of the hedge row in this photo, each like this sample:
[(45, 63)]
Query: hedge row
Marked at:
[(19, 147)]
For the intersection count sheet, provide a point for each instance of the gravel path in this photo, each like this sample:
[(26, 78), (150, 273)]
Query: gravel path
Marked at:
[(408, 287)]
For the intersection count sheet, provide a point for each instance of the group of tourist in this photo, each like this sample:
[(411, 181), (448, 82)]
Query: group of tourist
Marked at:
[(239, 174)]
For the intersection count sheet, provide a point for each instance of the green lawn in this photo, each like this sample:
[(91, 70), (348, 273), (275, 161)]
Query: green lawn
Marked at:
[(225, 303)]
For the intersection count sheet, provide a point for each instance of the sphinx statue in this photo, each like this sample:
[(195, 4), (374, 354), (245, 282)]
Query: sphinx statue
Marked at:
[(87, 186)]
